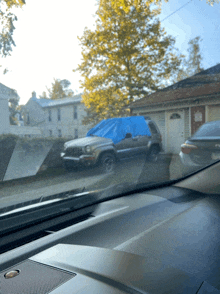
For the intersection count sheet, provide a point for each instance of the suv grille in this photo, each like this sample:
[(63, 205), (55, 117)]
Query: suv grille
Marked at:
[(76, 151)]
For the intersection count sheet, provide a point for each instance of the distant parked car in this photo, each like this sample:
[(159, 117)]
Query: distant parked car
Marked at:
[(203, 147), (111, 140)]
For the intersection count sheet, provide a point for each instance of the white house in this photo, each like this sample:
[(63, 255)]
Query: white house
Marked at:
[(5, 128), (5, 95), (57, 118)]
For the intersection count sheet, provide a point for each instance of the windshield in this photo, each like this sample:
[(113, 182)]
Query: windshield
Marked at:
[(105, 95)]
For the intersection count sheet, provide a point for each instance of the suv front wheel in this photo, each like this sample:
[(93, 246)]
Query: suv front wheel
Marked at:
[(107, 162)]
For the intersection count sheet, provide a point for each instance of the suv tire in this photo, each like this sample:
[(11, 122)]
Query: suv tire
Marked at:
[(107, 162)]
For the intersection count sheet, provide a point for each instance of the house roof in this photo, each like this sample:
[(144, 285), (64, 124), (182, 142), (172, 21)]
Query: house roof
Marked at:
[(207, 76), (7, 93), (59, 102), (179, 94), (204, 83)]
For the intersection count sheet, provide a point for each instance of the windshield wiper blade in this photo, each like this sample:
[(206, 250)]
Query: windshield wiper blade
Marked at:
[(42, 199), (42, 211)]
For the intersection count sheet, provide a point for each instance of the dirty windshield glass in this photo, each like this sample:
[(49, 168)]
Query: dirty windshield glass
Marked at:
[(98, 95)]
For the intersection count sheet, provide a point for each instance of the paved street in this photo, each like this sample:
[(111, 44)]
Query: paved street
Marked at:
[(136, 170)]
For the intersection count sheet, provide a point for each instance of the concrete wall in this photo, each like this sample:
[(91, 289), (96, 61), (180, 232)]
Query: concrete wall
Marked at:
[(25, 131), (27, 158), (24, 157)]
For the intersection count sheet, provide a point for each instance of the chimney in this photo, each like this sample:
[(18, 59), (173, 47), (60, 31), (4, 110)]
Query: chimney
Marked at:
[(33, 95)]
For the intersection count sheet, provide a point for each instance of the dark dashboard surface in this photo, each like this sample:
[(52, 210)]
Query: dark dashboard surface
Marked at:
[(157, 241)]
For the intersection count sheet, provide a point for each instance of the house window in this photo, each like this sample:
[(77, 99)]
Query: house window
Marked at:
[(75, 112), (59, 133), (58, 114), (49, 115), (28, 119), (50, 133), (76, 133), (175, 116)]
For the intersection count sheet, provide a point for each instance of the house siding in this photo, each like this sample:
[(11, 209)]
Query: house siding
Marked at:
[(214, 112), (67, 124), (35, 113)]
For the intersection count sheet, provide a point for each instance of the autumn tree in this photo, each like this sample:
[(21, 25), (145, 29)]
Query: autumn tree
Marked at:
[(7, 24), (192, 64), (13, 107), (195, 57), (43, 95), (59, 90), (127, 4), (125, 58)]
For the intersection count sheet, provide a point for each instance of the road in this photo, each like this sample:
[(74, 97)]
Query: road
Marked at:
[(136, 170)]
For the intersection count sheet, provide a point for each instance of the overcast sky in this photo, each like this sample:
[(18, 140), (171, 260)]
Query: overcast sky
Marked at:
[(47, 46)]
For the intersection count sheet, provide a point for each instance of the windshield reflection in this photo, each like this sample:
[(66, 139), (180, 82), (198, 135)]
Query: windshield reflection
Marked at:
[(146, 108)]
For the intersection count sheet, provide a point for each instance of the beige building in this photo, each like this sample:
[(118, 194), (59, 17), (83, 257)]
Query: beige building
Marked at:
[(179, 110), (56, 118)]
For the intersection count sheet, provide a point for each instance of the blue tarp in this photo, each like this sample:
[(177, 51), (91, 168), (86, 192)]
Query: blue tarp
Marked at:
[(117, 128)]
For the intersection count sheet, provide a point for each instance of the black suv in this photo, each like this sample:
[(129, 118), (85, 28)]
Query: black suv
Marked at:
[(114, 139)]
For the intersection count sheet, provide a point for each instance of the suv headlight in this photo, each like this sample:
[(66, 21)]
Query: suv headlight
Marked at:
[(88, 149)]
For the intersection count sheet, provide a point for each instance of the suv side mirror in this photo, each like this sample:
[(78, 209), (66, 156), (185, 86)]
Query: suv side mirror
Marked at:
[(128, 135)]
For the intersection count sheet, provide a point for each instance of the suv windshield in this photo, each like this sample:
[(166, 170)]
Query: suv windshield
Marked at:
[(105, 96)]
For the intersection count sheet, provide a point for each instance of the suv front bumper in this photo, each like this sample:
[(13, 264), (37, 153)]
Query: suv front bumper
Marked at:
[(83, 160)]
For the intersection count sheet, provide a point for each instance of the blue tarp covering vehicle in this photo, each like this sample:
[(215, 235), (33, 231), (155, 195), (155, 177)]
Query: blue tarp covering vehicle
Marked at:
[(117, 128)]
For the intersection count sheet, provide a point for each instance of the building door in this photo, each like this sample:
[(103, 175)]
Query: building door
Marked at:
[(197, 118), (175, 131)]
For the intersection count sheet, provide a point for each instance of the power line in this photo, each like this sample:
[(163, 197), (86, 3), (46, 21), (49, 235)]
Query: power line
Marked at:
[(176, 10)]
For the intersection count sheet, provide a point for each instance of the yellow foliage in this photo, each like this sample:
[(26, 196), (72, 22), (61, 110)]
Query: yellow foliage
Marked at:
[(125, 58), (15, 3)]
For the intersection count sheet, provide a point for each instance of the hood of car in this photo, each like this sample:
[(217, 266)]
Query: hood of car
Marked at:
[(91, 141)]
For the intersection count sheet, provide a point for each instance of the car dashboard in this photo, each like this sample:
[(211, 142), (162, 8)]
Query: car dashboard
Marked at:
[(157, 241)]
